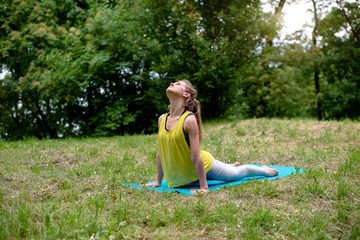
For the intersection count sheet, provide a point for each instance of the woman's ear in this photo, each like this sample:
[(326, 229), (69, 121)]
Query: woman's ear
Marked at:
[(186, 94)]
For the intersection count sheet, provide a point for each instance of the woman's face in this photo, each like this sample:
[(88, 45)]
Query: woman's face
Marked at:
[(178, 88)]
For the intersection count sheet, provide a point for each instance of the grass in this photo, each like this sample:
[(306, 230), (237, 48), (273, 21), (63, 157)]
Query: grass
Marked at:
[(73, 188)]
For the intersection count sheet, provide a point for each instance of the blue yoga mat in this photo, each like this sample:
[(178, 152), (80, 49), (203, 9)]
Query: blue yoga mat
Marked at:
[(214, 185)]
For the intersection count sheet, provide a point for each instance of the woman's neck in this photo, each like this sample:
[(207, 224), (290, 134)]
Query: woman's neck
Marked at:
[(176, 108)]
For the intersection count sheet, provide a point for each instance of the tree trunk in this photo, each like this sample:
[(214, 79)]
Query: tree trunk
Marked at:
[(277, 13), (316, 68)]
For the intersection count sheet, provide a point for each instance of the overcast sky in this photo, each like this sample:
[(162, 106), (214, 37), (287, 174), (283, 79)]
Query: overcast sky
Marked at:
[(296, 16)]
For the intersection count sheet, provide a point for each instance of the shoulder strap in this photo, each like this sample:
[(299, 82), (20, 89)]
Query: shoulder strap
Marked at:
[(163, 121)]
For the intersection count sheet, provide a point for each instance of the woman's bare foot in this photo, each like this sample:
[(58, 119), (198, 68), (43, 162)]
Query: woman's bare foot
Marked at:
[(270, 172), (236, 164)]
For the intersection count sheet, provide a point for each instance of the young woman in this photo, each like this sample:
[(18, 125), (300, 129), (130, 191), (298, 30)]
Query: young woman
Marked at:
[(179, 158)]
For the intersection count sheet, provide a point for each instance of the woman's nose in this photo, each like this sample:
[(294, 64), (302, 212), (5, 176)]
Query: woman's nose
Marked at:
[(171, 84)]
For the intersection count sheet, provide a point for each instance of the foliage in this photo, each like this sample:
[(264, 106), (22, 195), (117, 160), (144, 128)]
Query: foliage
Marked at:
[(100, 68), (280, 85), (341, 33)]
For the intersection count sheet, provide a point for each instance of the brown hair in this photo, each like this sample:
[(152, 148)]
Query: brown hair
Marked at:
[(193, 105)]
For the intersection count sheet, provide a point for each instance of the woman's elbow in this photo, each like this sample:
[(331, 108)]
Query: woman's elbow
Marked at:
[(197, 160)]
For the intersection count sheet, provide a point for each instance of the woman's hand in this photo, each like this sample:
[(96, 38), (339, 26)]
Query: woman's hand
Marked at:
[(199, 190), (154, 184)]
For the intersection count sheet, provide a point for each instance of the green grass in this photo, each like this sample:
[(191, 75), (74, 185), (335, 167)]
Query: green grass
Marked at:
[(73, 188)]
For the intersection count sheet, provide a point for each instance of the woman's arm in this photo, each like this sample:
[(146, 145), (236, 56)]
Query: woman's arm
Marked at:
[(191, 127), (160, 173)]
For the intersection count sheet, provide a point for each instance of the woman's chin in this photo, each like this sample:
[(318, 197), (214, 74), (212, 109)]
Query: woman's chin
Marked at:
[(169, 90)]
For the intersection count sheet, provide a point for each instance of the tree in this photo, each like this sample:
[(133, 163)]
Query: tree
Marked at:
[(340, 29), (234, 32), (100, 68), (275, 21), (316, 65), (24, 38)]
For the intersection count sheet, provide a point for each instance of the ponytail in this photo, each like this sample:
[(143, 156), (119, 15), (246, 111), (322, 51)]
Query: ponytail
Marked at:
[(198, 118), (193, 105)]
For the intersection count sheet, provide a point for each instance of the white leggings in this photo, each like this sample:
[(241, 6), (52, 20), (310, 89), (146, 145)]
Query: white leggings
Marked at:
[(227, 172)]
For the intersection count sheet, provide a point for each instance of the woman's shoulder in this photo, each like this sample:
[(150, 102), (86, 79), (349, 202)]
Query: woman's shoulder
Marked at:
[(190, 121), (161, 117), (190, 116)]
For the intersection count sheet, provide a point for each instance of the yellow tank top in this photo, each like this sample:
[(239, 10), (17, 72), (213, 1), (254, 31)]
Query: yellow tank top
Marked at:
[(176, 156)]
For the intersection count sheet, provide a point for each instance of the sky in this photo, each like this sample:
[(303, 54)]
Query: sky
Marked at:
[(2, 73), (295, 17)]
